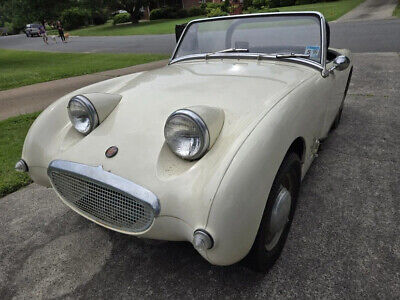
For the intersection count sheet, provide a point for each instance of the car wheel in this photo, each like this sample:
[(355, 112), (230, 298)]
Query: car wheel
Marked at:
[(278, 215)]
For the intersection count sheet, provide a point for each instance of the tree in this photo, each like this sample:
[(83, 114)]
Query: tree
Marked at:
[(131, 6), (5, 12), (22, 12)]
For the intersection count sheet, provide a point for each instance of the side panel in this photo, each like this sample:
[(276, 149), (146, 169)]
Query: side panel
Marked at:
[(336, 83), (239, 203)]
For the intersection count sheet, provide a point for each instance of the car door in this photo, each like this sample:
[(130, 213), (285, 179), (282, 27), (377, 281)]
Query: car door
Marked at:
[(337, 82)]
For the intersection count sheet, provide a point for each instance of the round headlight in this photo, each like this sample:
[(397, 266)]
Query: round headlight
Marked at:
[(82, 114), (186, 134)]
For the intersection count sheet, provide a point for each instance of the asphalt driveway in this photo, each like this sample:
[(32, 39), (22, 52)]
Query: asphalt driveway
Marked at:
[(344, 242)]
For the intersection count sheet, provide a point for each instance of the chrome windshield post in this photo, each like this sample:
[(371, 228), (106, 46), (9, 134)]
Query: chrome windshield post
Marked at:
[(324, 52)]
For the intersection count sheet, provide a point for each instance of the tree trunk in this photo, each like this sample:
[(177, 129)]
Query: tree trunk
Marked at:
[(135, 15), (134, 18)]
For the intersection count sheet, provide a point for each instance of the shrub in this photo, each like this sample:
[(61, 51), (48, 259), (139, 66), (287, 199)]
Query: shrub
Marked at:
[(182, 13), (252, 10), (287, 2), (226, 6), (306, 1), (211, 5), (74, 17), (12, 28), (166, 13), (247, 4), (273, 3), (156, 13), (99, 17), (258, 3), (196, 11), (216, 12), (121, 18)]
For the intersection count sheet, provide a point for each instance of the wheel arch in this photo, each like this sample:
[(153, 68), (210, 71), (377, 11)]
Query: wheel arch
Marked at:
[(298, 146)]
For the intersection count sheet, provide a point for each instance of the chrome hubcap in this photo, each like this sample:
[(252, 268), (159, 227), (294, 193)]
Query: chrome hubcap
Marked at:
[(279, 218)]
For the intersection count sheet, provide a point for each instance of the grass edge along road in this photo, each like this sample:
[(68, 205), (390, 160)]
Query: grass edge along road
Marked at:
[(331, 10), (396, 12), (20, 68), (163, 26), (12, 135)]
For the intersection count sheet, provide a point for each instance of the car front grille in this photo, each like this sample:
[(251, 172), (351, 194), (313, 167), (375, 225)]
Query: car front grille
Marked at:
[(102, 203)]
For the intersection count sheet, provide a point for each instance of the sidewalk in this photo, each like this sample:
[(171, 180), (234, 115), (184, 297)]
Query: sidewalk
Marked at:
[(36, 97), (370, 10)]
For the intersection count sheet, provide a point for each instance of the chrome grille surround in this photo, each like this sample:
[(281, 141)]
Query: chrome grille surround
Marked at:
[(103, 197)]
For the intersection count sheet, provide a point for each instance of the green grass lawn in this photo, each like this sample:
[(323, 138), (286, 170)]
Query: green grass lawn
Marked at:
[(12, 136), (19, 68), (147, 27), (331, 10), (396, 11)]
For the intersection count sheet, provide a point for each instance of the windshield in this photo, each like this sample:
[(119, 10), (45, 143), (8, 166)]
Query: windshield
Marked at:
[(268, 34)]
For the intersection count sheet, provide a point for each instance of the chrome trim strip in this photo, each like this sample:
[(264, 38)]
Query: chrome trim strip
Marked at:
[(105, 178), (258, 56), (324, 53), (202, 125), (93, 116), (320, 66)]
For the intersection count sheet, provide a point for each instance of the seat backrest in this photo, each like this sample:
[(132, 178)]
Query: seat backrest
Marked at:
[(328, 34)]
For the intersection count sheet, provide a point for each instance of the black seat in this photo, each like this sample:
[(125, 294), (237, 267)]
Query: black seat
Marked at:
[(328, 34)]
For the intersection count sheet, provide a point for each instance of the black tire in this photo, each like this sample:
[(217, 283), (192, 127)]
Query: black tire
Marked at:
[(288, 176)]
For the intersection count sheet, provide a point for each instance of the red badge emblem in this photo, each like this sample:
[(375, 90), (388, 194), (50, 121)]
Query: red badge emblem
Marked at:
[(112, 151)]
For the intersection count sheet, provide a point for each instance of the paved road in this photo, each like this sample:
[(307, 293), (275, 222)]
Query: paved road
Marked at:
[(164, 43), (371, 10), (344, 241), (360, 36)]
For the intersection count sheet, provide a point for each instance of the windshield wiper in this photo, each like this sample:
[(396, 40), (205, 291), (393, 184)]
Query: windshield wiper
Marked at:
[(289, 55), (233, 50), (229, 50)]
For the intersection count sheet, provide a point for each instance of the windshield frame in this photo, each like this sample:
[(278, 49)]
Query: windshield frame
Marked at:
[(260, 56)]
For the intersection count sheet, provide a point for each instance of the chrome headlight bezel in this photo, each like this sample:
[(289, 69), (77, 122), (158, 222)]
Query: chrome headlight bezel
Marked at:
[(203, 129), (90, 111)]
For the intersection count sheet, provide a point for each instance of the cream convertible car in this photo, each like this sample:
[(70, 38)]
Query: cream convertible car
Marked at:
[(209, 149)]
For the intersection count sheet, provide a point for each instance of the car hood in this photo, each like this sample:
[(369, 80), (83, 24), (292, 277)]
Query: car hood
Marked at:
[(245, 90)]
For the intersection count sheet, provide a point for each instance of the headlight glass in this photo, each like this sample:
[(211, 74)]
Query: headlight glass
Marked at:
[(82, 114), (186, 134)]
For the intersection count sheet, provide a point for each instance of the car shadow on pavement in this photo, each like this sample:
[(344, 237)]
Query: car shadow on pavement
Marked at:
[(161, 267)]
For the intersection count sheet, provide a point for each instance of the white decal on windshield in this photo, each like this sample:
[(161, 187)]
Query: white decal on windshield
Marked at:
[(313, 51)]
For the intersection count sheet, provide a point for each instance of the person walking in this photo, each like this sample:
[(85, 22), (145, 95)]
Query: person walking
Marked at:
[(43, 34), (61, 31)]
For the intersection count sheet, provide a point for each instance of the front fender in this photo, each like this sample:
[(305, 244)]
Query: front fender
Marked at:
[(239, 203), (52, 131)]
